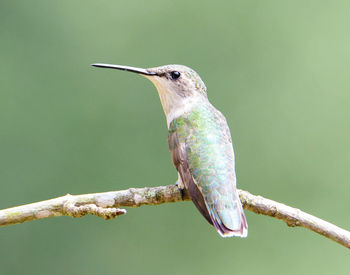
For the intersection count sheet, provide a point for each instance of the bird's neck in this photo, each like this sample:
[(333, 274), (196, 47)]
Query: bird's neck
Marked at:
[(175, 106)]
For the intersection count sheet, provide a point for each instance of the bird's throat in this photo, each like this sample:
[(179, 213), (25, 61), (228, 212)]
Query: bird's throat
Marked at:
[(174, 105)]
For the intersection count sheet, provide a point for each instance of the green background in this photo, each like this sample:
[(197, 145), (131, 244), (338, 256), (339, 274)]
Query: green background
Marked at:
[(278, 70)]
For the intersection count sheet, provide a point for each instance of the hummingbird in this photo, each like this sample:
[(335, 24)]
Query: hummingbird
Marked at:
[(200, 145)]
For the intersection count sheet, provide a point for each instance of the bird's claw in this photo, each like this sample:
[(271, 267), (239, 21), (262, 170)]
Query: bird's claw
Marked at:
[(181, 187)]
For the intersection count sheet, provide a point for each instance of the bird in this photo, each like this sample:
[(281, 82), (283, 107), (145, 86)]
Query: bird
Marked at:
[(200, 144)]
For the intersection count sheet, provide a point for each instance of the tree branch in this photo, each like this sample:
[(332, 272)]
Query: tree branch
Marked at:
[(106, 205)]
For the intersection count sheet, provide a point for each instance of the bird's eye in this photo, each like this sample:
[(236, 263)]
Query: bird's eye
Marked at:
[(175, 75)]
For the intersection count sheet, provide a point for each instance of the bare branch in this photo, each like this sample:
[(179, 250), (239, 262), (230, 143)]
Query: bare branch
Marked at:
[(106, 205)]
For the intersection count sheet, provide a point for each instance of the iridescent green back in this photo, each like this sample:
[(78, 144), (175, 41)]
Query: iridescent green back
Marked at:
[(205, 136)]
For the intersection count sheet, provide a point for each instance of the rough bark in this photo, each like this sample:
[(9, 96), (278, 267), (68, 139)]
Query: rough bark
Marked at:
[(106, 205)]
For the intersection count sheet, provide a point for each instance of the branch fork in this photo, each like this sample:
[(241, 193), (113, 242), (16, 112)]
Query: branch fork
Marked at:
[(71, 208)]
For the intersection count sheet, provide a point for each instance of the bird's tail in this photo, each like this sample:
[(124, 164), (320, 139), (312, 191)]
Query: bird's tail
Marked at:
[(230, 221)]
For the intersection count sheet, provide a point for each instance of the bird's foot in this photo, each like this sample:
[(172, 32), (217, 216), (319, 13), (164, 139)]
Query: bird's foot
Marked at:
[(181, 187), (180, 184)]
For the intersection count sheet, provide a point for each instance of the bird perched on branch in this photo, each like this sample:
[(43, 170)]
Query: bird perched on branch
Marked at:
[(200, 145)]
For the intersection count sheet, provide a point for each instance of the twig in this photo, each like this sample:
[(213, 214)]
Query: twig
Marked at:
[(105, 205)]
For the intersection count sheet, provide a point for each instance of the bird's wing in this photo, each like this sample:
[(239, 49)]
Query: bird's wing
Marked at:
[(180, 160), (202, 153)]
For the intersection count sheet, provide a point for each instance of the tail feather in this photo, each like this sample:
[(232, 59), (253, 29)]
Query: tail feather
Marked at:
[(230, 222)]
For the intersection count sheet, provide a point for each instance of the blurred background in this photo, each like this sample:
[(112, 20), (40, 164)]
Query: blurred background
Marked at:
[(278, 70)]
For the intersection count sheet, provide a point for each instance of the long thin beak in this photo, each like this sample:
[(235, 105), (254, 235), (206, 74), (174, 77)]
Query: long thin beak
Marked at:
[(124, 68)]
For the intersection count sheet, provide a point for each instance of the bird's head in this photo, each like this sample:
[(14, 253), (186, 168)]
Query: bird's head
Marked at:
[(179, 87)]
